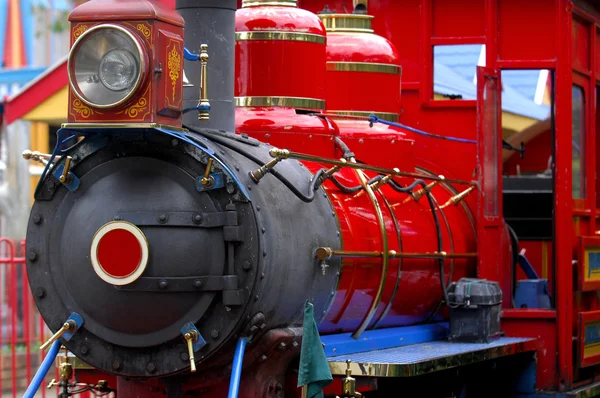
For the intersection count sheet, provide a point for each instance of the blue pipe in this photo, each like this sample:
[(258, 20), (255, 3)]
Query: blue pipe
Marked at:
[(236, 369), (43, 370)]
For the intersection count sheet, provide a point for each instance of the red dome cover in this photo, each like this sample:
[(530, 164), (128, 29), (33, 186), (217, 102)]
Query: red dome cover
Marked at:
[(280, 56), (363, 69)]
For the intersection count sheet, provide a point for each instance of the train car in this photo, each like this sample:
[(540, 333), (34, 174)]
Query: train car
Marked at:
[(301, 198)]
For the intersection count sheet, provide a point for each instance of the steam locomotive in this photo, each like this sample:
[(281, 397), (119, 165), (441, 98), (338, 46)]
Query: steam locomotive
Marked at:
[(222, 182)]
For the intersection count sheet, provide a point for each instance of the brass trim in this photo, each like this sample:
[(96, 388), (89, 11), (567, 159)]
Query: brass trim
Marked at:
[(385, 255), (364, 67), (291, 102), (392, 117), (326, 253), (120, 126), (399, 237), (355, 23), (264, 3), (278, 35), (138, 82), (372, 369)]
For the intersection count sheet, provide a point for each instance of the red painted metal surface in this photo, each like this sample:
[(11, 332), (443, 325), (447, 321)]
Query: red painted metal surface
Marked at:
[(280, 53), (367, 90), (119, 253)]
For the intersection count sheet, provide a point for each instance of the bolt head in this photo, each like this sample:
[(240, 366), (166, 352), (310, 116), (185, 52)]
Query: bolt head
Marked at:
[(37, 219), (32, 256), (116, 364), (198, 219), (84, 350), (162, 218), (214, 334), (151, 367), (40, 292), (185, 357), (198, 284), (163, 284), (246, 265)]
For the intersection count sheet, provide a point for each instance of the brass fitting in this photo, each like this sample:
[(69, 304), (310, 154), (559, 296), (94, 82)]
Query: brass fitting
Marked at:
[(419, 194), (204, 114), (378, 184), (279, 153), (456, 199), (262, 171)]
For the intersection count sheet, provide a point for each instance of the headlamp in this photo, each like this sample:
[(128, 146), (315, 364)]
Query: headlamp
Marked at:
[(106, 65)]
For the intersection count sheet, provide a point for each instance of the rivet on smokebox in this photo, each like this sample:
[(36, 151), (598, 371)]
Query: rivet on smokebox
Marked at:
[(151, 367)]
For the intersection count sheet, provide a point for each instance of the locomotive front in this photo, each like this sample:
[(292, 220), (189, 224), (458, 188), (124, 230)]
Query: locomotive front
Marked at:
[(150, 248)]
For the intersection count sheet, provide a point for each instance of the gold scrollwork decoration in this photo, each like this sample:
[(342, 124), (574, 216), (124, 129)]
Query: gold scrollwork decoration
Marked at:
[(84, 111), (173, 65), (145, 30), (79, 31), (136, 109)]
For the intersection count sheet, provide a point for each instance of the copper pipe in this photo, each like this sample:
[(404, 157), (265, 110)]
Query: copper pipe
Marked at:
[(286, 154)]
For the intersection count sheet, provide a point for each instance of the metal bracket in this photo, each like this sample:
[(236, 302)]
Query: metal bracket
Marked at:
[(219, 182), (183, 284), (200, 342), (175, 219), (78, 319), (72, 182)]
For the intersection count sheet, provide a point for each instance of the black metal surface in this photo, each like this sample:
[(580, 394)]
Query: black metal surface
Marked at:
[(195, 219), (269, 249), (528, 205), (210, 22)]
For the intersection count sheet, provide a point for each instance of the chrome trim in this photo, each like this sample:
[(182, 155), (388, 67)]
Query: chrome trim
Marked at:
[(142, 72), (364, 67), (120, 126), (291, 102), (277, 35), (385, 255), (374, 369), (392, 117)]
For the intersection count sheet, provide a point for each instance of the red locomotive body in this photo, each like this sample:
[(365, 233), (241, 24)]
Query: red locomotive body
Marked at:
[(381, 209)]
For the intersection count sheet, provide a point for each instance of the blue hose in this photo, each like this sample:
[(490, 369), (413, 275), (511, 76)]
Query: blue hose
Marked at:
[(43, 370), (375, 119), (236, 369)]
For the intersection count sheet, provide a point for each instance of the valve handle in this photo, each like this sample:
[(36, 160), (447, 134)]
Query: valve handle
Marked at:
[(68, 326), (190, 338)]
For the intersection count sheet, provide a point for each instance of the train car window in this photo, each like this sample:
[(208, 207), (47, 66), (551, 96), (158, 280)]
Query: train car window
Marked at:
[(578, 143), (455, 71)]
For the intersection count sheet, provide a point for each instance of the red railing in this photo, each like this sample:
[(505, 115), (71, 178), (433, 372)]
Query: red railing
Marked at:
[(22, 329)]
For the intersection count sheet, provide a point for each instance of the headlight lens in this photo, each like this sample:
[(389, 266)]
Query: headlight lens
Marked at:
[(105, 66)]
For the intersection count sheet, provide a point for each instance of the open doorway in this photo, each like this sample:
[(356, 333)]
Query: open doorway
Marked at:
[(528, 177)]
